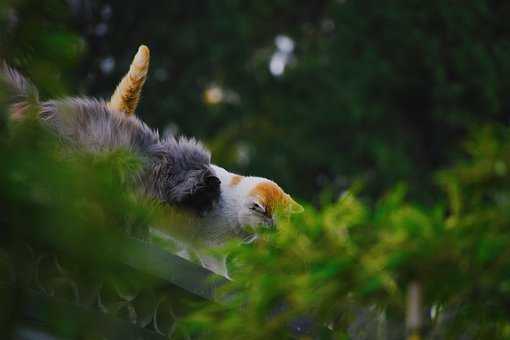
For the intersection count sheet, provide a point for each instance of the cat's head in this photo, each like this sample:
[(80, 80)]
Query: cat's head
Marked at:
[(255, 201), (265, 202)]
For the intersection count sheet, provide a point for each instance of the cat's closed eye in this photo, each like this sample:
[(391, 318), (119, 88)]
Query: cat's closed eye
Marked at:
[(258, 208)]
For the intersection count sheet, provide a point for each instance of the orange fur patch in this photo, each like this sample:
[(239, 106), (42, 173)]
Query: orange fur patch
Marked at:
[(127, 94), (271, 195), (236, 179)]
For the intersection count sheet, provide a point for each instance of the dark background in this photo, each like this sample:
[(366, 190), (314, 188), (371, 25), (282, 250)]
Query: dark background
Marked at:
[(370, 91)]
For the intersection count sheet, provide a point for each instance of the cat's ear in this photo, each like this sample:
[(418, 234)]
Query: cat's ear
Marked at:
[(199, 190), (127, 94)]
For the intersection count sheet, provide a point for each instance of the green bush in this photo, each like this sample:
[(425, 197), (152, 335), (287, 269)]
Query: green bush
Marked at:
[(329, 262)]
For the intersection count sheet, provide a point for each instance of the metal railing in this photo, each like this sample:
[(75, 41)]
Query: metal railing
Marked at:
[(139, 293)]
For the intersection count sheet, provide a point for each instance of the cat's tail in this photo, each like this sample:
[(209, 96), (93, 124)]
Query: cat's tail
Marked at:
[(127, 94), (22, 95)]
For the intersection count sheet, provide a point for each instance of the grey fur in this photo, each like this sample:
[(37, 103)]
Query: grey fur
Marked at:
[(176, 171), (22, 93), (89, 124), (184, 165)]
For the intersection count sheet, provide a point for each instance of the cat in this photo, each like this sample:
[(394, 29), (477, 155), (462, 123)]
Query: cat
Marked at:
[(218, 205)]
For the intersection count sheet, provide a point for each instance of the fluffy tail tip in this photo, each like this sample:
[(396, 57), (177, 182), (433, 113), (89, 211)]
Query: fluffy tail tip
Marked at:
[(142, 57)]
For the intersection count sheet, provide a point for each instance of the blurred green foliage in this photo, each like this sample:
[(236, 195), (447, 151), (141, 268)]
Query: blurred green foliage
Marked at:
[(349, 254), (36, 37), (408, 98)]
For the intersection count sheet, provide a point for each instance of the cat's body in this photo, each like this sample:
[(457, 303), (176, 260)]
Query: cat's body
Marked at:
[(178, 172)]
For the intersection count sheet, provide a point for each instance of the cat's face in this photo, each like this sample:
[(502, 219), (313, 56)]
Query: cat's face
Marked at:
[(264, 202), (254, 201)]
